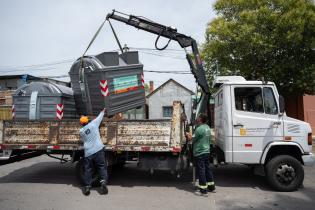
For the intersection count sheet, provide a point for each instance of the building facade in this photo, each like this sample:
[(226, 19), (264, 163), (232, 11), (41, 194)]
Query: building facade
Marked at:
[(302, 108), (160, 101)]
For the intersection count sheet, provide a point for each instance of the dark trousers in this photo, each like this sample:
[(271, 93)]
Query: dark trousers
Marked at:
[(97, 160), (204, 172)]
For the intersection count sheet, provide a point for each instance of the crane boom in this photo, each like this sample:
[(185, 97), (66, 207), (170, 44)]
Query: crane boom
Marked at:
[(183, 40), (172, 34)]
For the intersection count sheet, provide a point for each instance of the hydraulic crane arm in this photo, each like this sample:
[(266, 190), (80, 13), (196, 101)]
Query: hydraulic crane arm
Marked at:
[(172, 34)]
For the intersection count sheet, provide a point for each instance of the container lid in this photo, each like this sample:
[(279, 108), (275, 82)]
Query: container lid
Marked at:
[(43, 88), (105, 61), (89, 63)]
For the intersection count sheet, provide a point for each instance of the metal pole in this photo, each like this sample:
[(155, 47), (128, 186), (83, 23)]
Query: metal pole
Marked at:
[(194, 176)]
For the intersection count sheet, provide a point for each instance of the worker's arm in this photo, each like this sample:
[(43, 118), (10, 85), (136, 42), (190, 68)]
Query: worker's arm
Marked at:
[(99, 118), (81, 138), (193, 137)]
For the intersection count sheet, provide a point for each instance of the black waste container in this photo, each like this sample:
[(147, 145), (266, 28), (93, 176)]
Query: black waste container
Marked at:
[(43, 100), (111, 80)]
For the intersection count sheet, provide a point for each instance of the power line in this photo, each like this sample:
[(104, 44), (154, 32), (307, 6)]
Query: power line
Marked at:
[(146, 70), (8, 69), (168, 72), (19, 70), (38, 65), (152, 71), (50, 65), (164, 54), (167, 56), (153, 49)]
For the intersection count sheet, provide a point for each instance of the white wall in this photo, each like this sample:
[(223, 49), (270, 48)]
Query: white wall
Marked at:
[(165, 97)]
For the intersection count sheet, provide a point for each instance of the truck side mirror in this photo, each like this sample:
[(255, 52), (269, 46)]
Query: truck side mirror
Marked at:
[(281, 104)]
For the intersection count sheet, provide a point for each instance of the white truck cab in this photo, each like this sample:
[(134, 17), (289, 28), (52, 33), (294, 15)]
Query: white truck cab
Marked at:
[(252, 128)]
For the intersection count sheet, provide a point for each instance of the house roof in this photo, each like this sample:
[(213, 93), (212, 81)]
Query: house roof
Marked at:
[(31, 77), (17, 76), (168, 81)]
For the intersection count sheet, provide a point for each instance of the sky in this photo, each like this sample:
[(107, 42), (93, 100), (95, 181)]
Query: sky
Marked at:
[(44, 38)]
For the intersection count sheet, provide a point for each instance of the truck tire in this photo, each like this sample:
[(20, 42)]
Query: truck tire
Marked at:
[(80, 174), (285, 173)]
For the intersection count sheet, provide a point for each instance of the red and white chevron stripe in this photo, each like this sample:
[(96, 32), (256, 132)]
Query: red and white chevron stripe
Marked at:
[(142, 80), (13, 111), (104, 88), (59, 111)]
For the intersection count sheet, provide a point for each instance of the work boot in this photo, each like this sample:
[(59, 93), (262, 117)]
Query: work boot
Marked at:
[(86, 190), (104, 189), (211, 188), (201, 192)]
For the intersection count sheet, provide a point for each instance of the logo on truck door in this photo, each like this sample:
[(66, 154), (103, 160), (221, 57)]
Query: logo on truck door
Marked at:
[(242, 132)]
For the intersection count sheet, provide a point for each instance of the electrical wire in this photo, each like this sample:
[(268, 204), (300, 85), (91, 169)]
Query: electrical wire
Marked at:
[(153, 49), (39, 65), (168, 72), (167, 56), (170, 53), (151, 71), (33, 67), (52, 65), (23, 70), (73, 59), (146, 70)]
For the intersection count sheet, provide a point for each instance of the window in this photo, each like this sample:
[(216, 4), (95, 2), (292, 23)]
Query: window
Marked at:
[(216, 101), (167, 111), (219, 99), (249, 99), (270, 103), (253, 99)]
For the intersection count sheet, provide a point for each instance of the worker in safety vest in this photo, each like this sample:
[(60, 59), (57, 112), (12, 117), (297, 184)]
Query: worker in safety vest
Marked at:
[(201, 152), (94, 153)]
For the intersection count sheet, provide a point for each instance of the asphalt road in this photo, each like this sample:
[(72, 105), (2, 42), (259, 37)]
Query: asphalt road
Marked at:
[(44, 183)]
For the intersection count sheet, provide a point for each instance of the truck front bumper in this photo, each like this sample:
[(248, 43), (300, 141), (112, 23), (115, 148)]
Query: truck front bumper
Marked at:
[(308, 159)]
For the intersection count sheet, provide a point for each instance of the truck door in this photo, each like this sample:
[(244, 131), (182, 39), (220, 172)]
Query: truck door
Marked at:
[(255, 121)]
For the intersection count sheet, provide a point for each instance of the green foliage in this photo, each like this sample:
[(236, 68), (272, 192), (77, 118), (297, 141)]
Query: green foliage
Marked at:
[(146, 87), (270, 39)]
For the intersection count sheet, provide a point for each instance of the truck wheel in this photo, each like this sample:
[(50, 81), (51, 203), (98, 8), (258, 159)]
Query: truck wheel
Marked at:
[(285, 173), (80, 173)]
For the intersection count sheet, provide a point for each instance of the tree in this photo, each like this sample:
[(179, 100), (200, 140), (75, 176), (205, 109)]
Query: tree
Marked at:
[(147, 88), (270, 39)]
